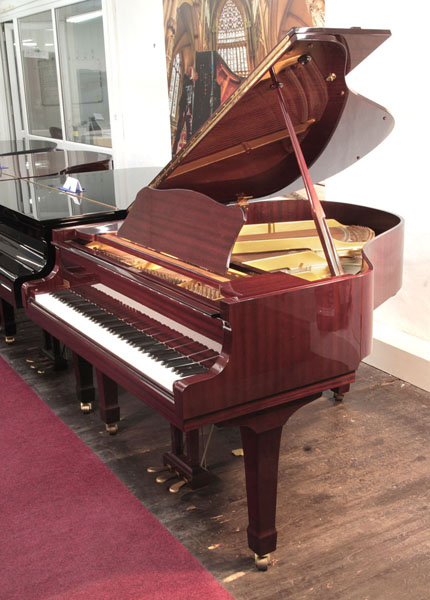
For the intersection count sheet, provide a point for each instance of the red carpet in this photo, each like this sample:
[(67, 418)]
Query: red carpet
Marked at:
[(69, 528)]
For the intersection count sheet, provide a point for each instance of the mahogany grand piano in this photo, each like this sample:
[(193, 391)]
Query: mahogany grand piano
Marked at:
[(215, 303)]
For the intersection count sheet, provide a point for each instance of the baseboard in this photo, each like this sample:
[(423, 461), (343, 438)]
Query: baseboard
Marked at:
[(401, 355)]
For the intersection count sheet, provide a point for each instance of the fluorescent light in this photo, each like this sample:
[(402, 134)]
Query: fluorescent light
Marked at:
[(29, 40), (29, 43), (84, 17), (49, 44)]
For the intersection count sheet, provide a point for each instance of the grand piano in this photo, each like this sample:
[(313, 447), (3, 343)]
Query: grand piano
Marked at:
[(32, 205), (216, 302)]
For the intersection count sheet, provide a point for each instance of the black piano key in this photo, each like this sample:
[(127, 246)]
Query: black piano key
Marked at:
[(191, 370)]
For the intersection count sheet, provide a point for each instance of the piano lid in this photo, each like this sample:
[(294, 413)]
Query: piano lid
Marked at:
[(244, 150)]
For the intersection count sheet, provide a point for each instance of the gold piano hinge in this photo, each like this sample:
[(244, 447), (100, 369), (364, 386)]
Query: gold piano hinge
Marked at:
[(242, 200)]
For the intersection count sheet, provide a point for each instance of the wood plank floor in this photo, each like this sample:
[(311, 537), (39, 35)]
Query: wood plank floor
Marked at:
[(354, 491)]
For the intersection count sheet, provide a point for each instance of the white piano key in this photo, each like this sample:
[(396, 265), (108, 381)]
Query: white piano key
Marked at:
[(149, 312), (138, 359)]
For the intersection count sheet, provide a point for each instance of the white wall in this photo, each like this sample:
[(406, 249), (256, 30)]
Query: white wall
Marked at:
[(395, 175), (137, 81)]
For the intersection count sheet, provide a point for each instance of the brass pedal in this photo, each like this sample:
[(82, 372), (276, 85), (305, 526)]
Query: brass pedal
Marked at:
[(157, 469), (175, 487), (9, 339), (86, 407), (166, 477)]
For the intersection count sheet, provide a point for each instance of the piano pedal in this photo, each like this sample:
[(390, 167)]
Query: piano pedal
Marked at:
[(86, 407), (112, 428), (157, 469), (41, 370), (175, 487), (164, 477), (9, 339), (262, 561), (29, 361)]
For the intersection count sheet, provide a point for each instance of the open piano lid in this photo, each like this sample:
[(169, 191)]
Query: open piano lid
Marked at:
[(244, 150)]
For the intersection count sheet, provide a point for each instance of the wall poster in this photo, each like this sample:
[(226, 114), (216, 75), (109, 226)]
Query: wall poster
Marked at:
[(212, 45)]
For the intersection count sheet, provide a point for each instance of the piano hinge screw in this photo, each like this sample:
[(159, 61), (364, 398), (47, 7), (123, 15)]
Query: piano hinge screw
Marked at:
[(331, 77), (304, 59)]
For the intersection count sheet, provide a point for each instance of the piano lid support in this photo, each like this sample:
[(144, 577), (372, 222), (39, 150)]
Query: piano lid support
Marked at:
[(317, 211)]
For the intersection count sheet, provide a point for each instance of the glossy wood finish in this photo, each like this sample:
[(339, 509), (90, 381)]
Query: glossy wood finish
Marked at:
[(284, 342), (186, 225), (244, 149)]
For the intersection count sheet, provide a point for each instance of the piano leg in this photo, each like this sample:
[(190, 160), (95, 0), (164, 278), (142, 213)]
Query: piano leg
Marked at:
[(7, 317), (85, 390), (261, 438), (108, 401)]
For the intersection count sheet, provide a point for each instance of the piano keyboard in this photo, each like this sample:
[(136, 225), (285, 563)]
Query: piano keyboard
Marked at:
[(140, 348)]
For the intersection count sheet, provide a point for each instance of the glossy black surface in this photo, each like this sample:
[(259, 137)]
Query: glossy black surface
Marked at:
[(41, 200), (8, 147), (50, 163)]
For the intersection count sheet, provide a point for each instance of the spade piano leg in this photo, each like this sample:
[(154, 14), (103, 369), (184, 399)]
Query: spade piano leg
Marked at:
[(85, 390), (7, 318), (108, 401), (261, 438)]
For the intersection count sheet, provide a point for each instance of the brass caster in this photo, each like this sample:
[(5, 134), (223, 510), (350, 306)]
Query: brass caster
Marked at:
[(262, 561), (112, 429), (157, 469), (86, 407), (165, 477), (9, 339), (175, 487), (338, 397)]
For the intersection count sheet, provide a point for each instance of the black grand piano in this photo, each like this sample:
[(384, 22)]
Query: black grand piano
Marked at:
[(32, 206), (215, 302)]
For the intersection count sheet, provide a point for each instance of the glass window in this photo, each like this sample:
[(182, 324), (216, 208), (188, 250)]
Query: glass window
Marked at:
[(83, 73), (40, 75), (231, 38)]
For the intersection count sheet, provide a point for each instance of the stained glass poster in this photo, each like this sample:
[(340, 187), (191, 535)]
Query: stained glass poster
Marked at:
[(212, 45)]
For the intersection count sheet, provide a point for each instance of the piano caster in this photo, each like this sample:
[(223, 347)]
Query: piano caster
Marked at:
[(112, 429), (338, 397), (175, 487), (86, 407), (262, 561), (9, 339)]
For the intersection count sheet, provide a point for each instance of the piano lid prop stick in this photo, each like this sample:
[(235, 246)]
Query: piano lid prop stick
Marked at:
[(318, 215)]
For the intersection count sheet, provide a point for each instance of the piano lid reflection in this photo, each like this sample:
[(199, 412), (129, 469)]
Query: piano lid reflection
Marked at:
[(214, 307)]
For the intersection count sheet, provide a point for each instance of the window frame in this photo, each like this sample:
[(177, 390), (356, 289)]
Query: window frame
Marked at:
[(37, 7)]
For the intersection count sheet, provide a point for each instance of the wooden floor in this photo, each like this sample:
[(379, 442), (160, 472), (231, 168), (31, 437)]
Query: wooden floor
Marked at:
[(354, 491)]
